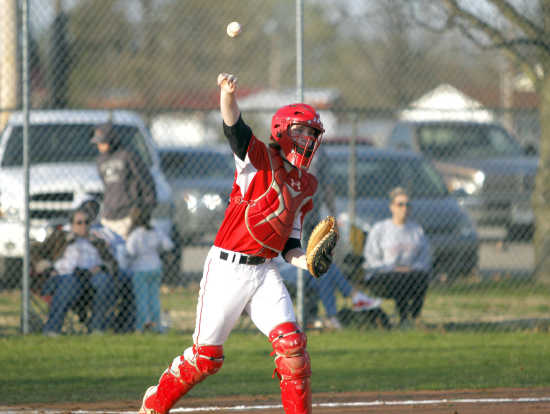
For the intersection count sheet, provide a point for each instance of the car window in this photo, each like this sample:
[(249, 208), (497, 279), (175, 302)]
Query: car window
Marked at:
[(195, 165), (466, 141), (421, 179), (401, 136), (375, 178), (503, 143), (53, 143)]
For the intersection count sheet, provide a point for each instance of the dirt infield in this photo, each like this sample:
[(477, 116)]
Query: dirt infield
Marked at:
[(501, 401)]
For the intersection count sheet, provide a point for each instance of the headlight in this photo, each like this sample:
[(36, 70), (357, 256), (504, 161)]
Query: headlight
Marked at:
[(40, 235), (469, 185), (479, 178), (212, 201), (191, 201), (11, 213)]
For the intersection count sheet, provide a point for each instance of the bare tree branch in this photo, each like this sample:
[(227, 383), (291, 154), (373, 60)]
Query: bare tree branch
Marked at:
[(448, 24), (468, 34), (496, 37), (512, 15), (527, 42)]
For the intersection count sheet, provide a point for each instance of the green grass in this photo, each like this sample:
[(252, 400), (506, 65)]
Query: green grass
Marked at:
[(90, 368), (470, 301)]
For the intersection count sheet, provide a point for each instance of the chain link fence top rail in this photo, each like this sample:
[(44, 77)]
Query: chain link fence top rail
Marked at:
[(402, 107)]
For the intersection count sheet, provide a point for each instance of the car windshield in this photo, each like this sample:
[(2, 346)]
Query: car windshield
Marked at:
[(466, 141), (177, 164), (54, 143), (376, 177)]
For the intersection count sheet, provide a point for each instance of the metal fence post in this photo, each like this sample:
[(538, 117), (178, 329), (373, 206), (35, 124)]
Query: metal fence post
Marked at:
[(26, 104), (300, 294)]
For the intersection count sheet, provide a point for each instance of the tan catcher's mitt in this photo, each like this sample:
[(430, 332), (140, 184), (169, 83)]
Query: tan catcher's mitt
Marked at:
[(321, 242)]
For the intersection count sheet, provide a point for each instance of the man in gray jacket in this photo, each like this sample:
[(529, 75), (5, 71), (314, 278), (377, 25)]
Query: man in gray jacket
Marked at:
[(128, 185)]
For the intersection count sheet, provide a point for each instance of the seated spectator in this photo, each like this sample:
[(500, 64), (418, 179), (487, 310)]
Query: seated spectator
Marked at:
[(324, 289), (398, 259), (82, 263), (124, 317)]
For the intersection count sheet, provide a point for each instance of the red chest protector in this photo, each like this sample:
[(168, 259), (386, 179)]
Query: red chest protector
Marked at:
[(270, 217)]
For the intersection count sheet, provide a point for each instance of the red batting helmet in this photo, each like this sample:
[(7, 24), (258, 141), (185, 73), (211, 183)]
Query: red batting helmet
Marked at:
[(297, 149)]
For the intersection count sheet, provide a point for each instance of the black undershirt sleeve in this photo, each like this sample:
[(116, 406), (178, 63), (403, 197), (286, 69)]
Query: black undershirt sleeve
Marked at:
[(290, 244), (239, 136)]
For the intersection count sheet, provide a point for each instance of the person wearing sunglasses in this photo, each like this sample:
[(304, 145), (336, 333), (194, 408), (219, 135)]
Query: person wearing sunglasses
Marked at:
[(398, 259), (81, 274)]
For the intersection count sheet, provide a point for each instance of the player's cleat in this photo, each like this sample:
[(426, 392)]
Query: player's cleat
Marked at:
[(362, 302), (144, 410)]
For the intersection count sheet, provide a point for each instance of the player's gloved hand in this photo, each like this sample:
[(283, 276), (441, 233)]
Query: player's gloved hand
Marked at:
[(321, 243), (322, 262)]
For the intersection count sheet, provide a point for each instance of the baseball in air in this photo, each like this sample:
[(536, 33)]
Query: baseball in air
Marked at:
[(234, 29)]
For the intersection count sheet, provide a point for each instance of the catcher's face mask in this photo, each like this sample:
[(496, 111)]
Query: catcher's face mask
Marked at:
[(305, 141), (297, 128)]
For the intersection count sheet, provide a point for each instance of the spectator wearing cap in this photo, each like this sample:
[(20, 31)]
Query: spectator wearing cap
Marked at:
[(128, 184)]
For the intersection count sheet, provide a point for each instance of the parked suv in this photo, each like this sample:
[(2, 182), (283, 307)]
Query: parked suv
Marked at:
[(482, 164), (453, 238), (63, 170)]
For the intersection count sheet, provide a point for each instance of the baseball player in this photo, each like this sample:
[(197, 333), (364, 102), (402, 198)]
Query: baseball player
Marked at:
[(272, 191)]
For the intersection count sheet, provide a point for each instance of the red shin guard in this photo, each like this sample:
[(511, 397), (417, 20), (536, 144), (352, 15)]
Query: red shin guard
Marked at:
[(170, 389), (181, 376), (293, 367)]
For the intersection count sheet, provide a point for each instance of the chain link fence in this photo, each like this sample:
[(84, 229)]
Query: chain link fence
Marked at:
[(403, 107)]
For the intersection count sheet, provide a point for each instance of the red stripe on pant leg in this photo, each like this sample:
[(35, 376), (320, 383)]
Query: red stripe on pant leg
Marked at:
[(202, 301)]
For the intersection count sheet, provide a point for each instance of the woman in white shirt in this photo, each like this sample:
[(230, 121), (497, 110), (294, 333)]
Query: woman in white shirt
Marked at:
[(144, 245), (83, 265)]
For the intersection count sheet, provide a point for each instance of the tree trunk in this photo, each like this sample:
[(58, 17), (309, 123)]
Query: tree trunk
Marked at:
[(541, 195)]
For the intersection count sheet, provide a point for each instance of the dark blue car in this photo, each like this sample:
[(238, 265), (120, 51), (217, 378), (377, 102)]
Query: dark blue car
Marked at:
[(376, 171)]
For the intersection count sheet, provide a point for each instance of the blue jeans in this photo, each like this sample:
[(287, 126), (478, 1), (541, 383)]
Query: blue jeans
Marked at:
[(66, 290), (147, 297), (325, 286)]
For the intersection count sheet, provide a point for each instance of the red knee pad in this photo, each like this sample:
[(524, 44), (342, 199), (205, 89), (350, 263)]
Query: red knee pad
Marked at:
[(287, 339), (289, 344), (208, 358)]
